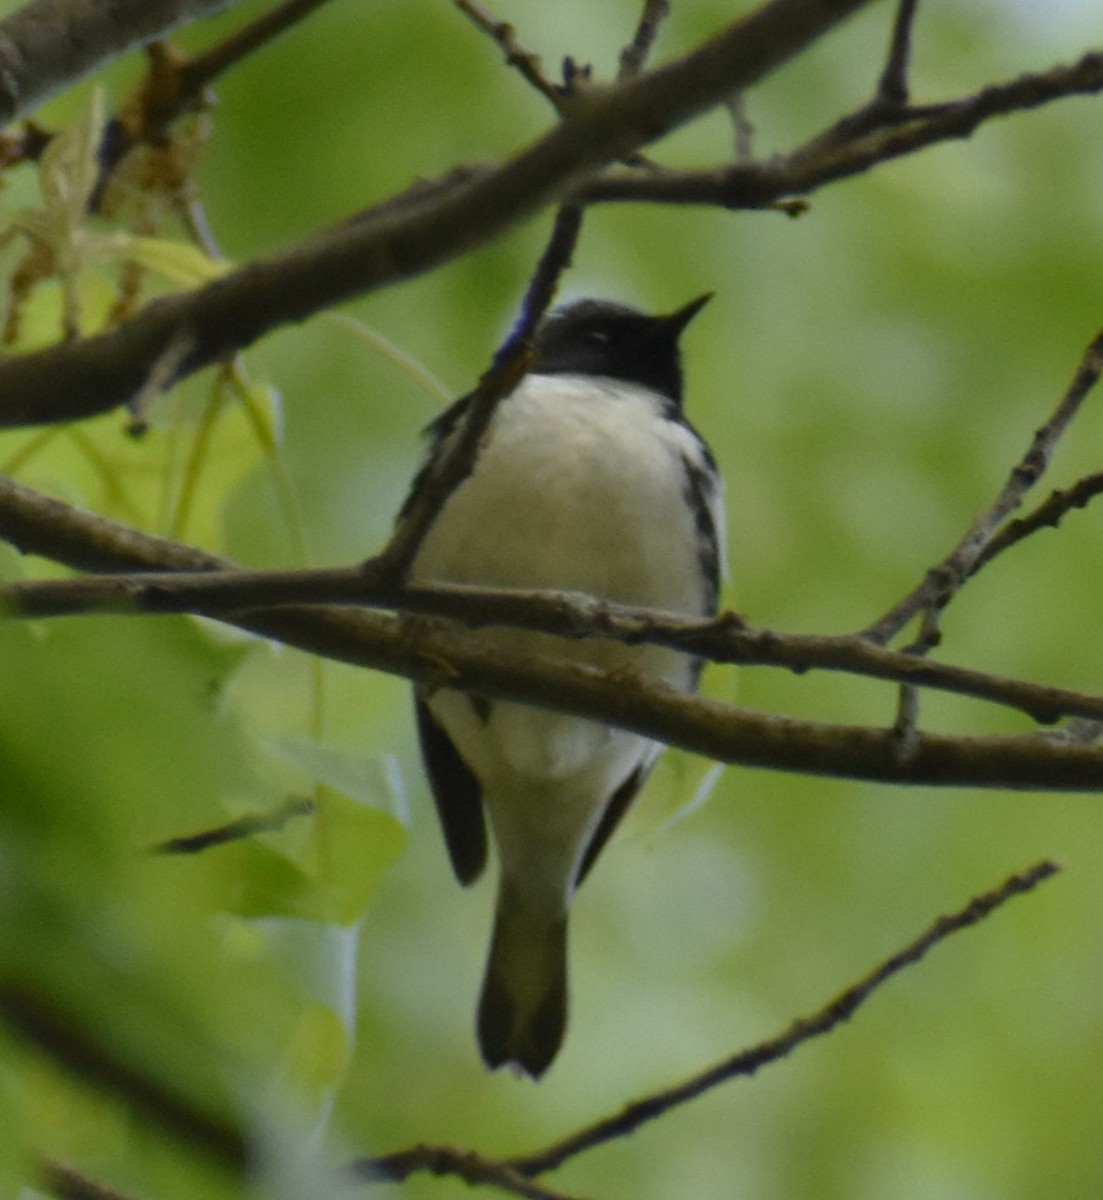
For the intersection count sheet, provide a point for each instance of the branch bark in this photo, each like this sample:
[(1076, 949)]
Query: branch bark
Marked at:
[(429, 226), (843, 152), (438, 655), (442, 1160), (944, 579), (436, 221), (227, 594), (49, 44)]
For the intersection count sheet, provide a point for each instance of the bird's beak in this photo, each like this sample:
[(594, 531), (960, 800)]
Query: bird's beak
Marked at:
[(677, 321)]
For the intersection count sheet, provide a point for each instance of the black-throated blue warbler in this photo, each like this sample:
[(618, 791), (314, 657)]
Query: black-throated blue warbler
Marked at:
[(589, 479)]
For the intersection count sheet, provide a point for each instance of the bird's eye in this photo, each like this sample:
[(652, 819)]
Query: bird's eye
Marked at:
[(597, 338)]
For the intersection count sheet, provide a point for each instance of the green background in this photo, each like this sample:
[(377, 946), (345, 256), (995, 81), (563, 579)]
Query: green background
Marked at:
[(867, 375)]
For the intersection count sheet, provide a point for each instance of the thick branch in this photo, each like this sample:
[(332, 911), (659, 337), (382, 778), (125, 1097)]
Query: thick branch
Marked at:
[(227, 594), (48, 44), (398, 240), (442, 657)]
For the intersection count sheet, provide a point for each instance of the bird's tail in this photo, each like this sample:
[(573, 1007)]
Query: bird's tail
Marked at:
[(523, 1006)]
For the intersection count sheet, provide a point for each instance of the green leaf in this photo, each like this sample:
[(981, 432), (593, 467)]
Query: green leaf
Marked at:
[(354, 847), (112, 732), (178, 262), (327, 867)]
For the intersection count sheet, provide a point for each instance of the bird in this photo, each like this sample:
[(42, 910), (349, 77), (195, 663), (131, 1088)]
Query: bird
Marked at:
[(589, 479)]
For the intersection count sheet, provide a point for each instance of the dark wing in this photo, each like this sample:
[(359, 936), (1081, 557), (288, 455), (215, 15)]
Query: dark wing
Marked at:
[(457, 794), (702, 496), (619, 803), (456, 791)]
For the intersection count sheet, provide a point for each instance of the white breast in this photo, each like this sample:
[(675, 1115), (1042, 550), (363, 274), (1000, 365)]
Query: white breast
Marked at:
[(580, 489), (581, 486)]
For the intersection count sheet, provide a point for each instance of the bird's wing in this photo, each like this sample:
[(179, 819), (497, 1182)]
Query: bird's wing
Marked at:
[(704, 492), (616, 806), (457, 794)]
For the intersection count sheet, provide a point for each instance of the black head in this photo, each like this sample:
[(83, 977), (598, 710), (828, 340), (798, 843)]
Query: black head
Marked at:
[(597, 337)]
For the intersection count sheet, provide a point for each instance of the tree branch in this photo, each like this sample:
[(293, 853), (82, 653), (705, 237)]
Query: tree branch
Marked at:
[(473, 1168), (204, 68), (446, 1160), (892, 88), (524, 61), (1048, 515), (67, 1038), (410, 235), (66, 1184), (943, 580), (440, 656), (176, 83), (49, 44), (225, 595), (512, 360), (749, 1061), (235, 831), (635, 54), (435, 222), (842, 151)]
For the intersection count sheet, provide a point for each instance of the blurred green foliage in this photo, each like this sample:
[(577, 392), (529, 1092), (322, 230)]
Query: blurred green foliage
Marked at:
[(866, 375)]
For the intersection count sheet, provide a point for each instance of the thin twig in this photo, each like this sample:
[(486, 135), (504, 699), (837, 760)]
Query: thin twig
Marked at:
[(522, 60), (736, 105), (634, 56), (1047, 515), (204, 68), (473, 1168), (847, 148), (160, 377), (66, 1184), (889, 104), (511, 361), (906, 726), (748, 1062), (943, 581), (176, 83), (892, 90), (239, 830), (445, 1160)]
